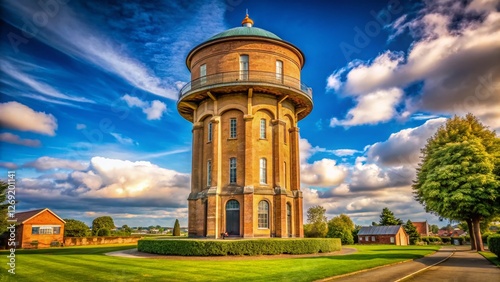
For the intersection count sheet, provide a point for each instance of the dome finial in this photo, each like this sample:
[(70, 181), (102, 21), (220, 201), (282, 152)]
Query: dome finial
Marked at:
[(247, 21)]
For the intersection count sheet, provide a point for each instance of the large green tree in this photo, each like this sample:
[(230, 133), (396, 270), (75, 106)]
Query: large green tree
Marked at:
[(387, 218), (316, 226), (341, 227), (411, 229), (177, 228), (102, 222), (459, 175), (75, 228), (434, 229)]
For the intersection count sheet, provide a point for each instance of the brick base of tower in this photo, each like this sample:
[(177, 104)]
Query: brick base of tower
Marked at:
[(207, 215)]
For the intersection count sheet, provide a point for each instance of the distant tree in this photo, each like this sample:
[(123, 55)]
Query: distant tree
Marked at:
[(316, 226), (375, 223), (75, 228), (177, 228), (355, 233), (160, 230), (102, 222), (388, 218), (3, 206), (139, 228), (412, 232), (125, 231), (158, 226), (341, 227), (459, 175), (104, 232), (434, 229)]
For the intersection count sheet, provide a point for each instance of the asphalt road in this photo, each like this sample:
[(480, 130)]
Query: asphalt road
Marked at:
[(463, 266)]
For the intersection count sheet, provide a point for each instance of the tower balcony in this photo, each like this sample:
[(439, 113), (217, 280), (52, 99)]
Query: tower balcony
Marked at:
[(236, 81)]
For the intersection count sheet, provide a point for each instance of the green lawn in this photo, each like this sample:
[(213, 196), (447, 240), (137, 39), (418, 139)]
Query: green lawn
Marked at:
[(491, 257), (89, 264)]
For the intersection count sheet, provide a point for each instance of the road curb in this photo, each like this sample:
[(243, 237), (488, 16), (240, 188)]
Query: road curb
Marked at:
[(425, 268)]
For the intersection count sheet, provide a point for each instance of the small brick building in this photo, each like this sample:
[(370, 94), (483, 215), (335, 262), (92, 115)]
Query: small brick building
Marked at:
[(39, 228), (393, 234)]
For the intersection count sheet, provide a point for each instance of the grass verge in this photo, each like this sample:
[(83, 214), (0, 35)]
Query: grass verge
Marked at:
[(90, 264), (491, 257)]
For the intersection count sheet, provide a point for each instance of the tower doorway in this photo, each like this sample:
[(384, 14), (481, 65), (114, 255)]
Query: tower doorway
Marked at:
[(233, 217)]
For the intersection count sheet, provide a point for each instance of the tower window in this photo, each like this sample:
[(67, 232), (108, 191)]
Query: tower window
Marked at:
[(232, 170), (263, 171), (209, 133), (262, 129), (232, 128), (244, 67), (209, 173), (263, 214), (203, 73), (279, 70)]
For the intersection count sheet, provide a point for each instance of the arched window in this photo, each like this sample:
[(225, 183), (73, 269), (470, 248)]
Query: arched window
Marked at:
[(210, 132), (263, 214), (262, 129), (209, 173), (232, 170), (263, 171)]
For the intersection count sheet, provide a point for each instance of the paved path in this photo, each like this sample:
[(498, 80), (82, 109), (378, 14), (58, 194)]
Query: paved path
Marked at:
[(134, 253), (460, 264), (464, 265)]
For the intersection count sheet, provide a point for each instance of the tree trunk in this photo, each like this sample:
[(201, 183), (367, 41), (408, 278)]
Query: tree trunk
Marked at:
[(477, 234), (471, 234)]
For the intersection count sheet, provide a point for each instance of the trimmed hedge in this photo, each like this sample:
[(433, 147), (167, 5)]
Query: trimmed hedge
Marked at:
[(494, 244), (251, 247), (431, 239)]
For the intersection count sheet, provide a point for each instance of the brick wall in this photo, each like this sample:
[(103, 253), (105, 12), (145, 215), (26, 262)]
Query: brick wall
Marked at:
[(84, 241)]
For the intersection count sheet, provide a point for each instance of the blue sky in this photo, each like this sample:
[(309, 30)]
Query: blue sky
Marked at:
[(89, 88)]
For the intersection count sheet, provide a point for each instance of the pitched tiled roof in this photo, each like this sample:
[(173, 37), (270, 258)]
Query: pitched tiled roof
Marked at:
[(24, 216), (379, 230)]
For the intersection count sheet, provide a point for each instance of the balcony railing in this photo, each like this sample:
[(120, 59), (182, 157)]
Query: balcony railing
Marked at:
[(245, 77)]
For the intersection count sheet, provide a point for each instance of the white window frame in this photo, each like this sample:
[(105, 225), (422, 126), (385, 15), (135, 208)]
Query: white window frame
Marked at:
[(209, 172), (232, 171), (263, 171), (367, 238), (210, 132), (392, 240), (203, 73), (263, 125), (373, 238), (279, 70), (263, 215), (232, 128), (244, 62)]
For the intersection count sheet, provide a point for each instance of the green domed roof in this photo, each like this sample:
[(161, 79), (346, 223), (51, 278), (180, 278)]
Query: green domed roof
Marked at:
[(245, 31)]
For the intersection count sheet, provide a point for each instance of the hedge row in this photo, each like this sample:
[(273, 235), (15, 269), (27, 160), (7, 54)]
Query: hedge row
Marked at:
[(193, 247), (441, 240), (494, 244)]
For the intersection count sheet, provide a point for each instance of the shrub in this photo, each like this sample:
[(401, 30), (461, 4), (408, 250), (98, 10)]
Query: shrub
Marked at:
[(485, 236), (494, 244), (192, 247), (431, 240), (177, 228), (103, 232), (446, 240)]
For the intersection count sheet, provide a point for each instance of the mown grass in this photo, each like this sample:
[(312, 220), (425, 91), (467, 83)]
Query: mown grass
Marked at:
[(491, 257), (90, 264)]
